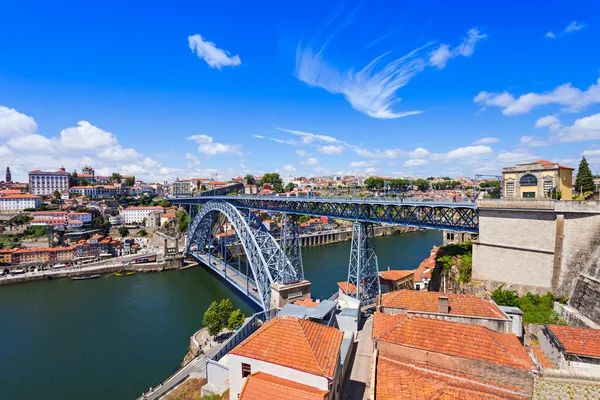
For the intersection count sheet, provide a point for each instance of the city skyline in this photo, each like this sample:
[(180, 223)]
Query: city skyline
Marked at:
[(354, 88)]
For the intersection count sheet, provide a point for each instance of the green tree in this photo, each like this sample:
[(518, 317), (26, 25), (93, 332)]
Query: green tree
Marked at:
[(584, 181), (142, 233), (203, 188), (183, 218), (56, 195), (116, 177), (289, 187), (123, 231), (211, 319), (129, 181), (504, 297), (162, 202), (250, 179), (225, 311), (236, 320), (74, 179), (272, 178), (374, 183)]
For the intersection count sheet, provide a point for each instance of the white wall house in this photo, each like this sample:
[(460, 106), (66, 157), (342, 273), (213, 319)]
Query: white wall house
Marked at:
[(20, 202), (136, 215), (292, 349)]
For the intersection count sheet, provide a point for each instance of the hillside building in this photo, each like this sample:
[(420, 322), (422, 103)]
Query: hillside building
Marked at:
[(537, 180)]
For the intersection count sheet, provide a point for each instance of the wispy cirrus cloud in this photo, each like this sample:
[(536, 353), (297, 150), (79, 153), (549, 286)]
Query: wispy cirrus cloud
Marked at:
[(572, 27), (372, 89), (209, 52)]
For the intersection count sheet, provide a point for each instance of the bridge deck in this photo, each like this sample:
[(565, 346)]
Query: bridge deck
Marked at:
[(451, 216), (233, 276)]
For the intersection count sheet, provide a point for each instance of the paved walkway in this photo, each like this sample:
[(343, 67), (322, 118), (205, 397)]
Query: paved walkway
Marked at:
[(358, 382)]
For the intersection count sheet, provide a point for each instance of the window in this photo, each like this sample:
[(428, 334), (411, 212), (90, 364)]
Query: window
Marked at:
[(510, 189), (528, 180), (449, 236), (246, 370), (547, 186)]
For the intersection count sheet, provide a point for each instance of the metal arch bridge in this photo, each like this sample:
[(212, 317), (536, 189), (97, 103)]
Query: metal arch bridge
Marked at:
[(452, 216)]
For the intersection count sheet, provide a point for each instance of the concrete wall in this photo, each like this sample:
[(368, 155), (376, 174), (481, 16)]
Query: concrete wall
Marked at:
[(586, 297), (236, 382), (496, 373), (537, 243)]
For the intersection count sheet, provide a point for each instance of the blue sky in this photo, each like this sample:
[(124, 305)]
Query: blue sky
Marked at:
[(197, 89)]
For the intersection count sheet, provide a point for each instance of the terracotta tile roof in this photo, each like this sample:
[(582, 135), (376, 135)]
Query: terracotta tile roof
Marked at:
[(398, 380), (427, 264), (295, 343), (21, 196), (580, 341), (307, 303), (260, 386), (542, 357), (474, 342), (145, 208), (395, 274), (347, 288), (460, 304)]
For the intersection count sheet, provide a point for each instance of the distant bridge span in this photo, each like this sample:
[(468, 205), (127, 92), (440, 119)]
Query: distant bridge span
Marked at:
[(452, 216)]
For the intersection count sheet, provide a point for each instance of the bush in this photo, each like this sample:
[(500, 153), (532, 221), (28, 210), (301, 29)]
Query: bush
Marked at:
[(36, 231), (505, 297), (236, 320)]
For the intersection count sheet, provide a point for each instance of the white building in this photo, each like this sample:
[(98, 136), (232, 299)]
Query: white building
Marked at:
[(116, 220), (46, 183), (20, 202), (136, 215), (287, 357), (153, 219)]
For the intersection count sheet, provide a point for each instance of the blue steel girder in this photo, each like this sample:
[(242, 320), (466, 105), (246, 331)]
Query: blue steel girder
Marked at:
[(459, 217)]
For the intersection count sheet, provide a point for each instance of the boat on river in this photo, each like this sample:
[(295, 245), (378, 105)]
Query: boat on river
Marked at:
[(83, 278), (124, 273)]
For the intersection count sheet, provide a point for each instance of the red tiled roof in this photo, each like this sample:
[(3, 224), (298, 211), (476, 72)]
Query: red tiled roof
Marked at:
[(427, 264), (347, 288), (395, 274), (308, 302), (460, 304), (474, 342), (294, 343), (21, 196), (261, 386), (580, 341), (398, 380), (542, 357)]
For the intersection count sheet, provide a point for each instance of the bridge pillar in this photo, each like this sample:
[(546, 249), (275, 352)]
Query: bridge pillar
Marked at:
[(291, 245), (363, 269), (283, 294)]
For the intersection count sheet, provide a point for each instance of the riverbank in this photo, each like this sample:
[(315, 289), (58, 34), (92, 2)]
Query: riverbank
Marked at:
[(175, 263), (344, 235)]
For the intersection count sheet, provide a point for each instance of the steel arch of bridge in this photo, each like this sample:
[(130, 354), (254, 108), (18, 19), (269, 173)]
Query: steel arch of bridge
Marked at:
[(265, 257), (458, 217)]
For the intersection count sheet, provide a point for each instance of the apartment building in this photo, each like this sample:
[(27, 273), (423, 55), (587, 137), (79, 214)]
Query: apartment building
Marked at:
[(19, 202), (136, 215), (44, 183)]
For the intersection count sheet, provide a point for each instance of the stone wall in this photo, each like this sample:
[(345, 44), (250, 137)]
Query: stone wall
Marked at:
[(586, 297), (537, 243)]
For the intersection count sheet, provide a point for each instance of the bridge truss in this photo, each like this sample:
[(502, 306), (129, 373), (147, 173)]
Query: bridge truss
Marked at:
[(451, 216), (266, 262), (363, 270)]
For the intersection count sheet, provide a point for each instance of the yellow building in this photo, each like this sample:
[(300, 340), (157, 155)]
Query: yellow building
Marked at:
[(397, 279), (537, 180), (6, 256)]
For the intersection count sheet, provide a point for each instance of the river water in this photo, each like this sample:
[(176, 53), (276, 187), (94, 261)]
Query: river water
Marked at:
[(114, 337)]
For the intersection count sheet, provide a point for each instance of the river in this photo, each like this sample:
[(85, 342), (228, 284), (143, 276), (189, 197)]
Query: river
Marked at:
[(114, 337)]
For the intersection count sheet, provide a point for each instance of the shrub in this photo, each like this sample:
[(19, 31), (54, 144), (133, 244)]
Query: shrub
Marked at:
[(504, 297)]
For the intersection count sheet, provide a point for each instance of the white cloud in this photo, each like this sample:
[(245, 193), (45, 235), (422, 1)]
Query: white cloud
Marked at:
[(31, 143), (289, 168), (440, 56), (388, 153), (462, 152), (302, 153), (572, 99), (331, 149), (274, 139), (4, 151), (549, 120), (207, 146), (533, 141), (572, 27), (586, 152), (487, 140), (13, 123), (586, 128), (118, 153), (86, 136), (361, 164), (308, 138), (419, 152), (214, 57), (370, 170), (192, 158), (517, 156), (310, 161), (415, 162)]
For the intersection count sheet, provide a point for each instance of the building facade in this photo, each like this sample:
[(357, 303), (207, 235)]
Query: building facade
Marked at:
[(46, 183), (19, 202), (537, 180), (136, 215)]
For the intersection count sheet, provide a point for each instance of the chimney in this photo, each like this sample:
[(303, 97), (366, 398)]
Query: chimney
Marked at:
[(388, 268), (443, 306)]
